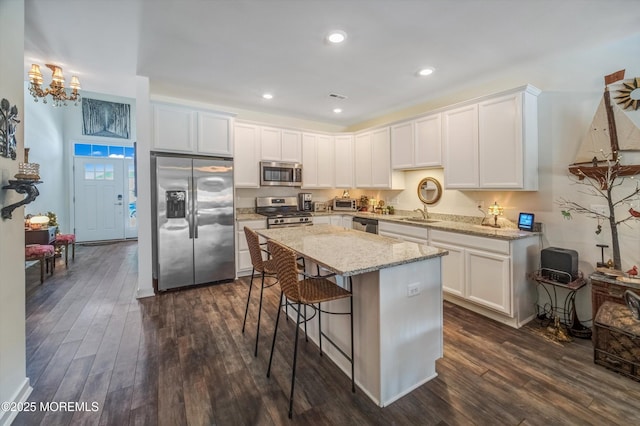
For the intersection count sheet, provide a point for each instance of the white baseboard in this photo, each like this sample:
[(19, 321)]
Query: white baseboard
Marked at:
[(21, 395), (145, 292)]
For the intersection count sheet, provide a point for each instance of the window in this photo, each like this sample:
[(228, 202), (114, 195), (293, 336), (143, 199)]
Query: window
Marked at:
[(98, 172), (111, 151)]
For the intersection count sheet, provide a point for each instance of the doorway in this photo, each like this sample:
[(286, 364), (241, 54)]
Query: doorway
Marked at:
[(104, 199)]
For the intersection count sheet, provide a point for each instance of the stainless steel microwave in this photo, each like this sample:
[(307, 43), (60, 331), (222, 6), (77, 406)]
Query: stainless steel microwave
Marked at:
[(273, 173)]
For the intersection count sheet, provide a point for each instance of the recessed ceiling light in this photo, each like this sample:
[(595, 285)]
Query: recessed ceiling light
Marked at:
[(267, 96), (336, 37), (425, 72), (337, 110)]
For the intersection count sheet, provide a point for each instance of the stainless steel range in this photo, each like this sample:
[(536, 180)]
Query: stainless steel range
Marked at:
[(282, 212)]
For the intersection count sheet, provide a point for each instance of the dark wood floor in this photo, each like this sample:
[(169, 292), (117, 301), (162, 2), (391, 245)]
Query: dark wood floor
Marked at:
[(180, 358)]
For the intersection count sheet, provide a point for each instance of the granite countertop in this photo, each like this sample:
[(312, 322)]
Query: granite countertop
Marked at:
[(347, 252), (450, 223)]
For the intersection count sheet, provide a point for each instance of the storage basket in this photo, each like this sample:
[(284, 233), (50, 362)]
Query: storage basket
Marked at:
[(617, 340)]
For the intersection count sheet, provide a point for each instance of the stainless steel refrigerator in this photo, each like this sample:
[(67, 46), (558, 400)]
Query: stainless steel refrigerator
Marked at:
[(193, 222)]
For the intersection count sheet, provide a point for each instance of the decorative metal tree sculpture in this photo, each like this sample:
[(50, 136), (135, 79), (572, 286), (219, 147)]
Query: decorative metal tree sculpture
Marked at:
[(606, 186), (8, 122)]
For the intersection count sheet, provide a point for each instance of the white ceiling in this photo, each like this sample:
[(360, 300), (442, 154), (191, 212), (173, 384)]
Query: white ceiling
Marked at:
[(228, 52)]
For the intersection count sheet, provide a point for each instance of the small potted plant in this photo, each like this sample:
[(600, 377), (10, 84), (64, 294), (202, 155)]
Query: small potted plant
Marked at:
[(364, 203)]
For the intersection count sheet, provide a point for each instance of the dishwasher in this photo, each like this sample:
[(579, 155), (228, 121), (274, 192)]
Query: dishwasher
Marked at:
[(366, 225)]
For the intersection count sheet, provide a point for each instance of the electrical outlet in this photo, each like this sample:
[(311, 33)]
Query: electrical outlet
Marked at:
[(598, 209), (413, 289)]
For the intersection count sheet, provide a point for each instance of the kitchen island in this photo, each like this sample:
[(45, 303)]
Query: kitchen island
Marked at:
[(397, 303)]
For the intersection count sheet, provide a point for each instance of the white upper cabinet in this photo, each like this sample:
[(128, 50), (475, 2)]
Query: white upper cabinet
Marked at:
[(362, 160), (460, 135), (280, 144), (402, 145), (373, 161), (247, 155), (493, 143), (428, 141), (508, 141), (214, 134), (174, 128), (182, 129), (417, 143), (343, 161), (317, 161)]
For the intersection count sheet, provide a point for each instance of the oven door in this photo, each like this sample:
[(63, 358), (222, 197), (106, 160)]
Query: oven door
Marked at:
[(287, 225)]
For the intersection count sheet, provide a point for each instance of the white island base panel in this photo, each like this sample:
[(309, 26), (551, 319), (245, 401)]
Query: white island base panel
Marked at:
[(397, 329)]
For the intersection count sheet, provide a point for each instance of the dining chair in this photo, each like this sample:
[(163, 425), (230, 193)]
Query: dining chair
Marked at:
[(311, 291), (265, 267)]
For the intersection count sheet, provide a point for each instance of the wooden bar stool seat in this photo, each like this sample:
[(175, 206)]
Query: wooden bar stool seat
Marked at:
[(311, 292), (43, 253), (266, 268), (66, 240)]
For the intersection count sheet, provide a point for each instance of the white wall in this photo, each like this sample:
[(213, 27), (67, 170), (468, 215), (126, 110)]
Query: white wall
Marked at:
[(145, 273), (14, 385), (44, 136)]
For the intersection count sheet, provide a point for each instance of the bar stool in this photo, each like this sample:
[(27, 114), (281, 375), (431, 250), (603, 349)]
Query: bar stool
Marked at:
[(310, 291), (66, 240), (44, 254), (265, 268)]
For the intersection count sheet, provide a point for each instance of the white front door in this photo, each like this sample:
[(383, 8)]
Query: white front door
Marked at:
[(99, 199)]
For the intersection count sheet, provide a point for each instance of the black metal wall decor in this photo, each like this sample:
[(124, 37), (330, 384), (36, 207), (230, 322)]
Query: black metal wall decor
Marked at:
[(108, 119), (21, 187), (8, 126)]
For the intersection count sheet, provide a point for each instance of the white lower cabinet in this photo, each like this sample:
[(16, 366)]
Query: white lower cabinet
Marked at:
[(322, 220), (414, 234), (453, 269), (334, 219), (489, 275), (488, 281), (243, 258), (347, 222)]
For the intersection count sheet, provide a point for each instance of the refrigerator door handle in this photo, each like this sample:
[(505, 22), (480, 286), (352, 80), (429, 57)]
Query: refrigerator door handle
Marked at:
[(195, 206), (189, 204)]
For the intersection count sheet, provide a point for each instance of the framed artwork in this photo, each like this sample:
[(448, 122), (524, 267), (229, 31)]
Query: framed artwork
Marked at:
[(107, 119)]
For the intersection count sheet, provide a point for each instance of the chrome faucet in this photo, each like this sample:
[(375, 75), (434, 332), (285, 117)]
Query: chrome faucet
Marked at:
[(422, 212)]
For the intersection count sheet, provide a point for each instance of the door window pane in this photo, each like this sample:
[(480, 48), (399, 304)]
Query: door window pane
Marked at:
[(99, 171), (108, 172), (89, 172), (100, 151), (82, 149), (116, 151), (131, 182)]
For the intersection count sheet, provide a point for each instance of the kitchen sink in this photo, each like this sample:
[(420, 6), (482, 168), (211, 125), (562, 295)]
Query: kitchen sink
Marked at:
[(419, 220)]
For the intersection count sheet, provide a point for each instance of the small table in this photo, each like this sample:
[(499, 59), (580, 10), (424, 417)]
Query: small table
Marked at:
[(45, 236), (568, 310)]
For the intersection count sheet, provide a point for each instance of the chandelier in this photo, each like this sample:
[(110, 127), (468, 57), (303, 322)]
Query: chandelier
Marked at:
[(56, 88)]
